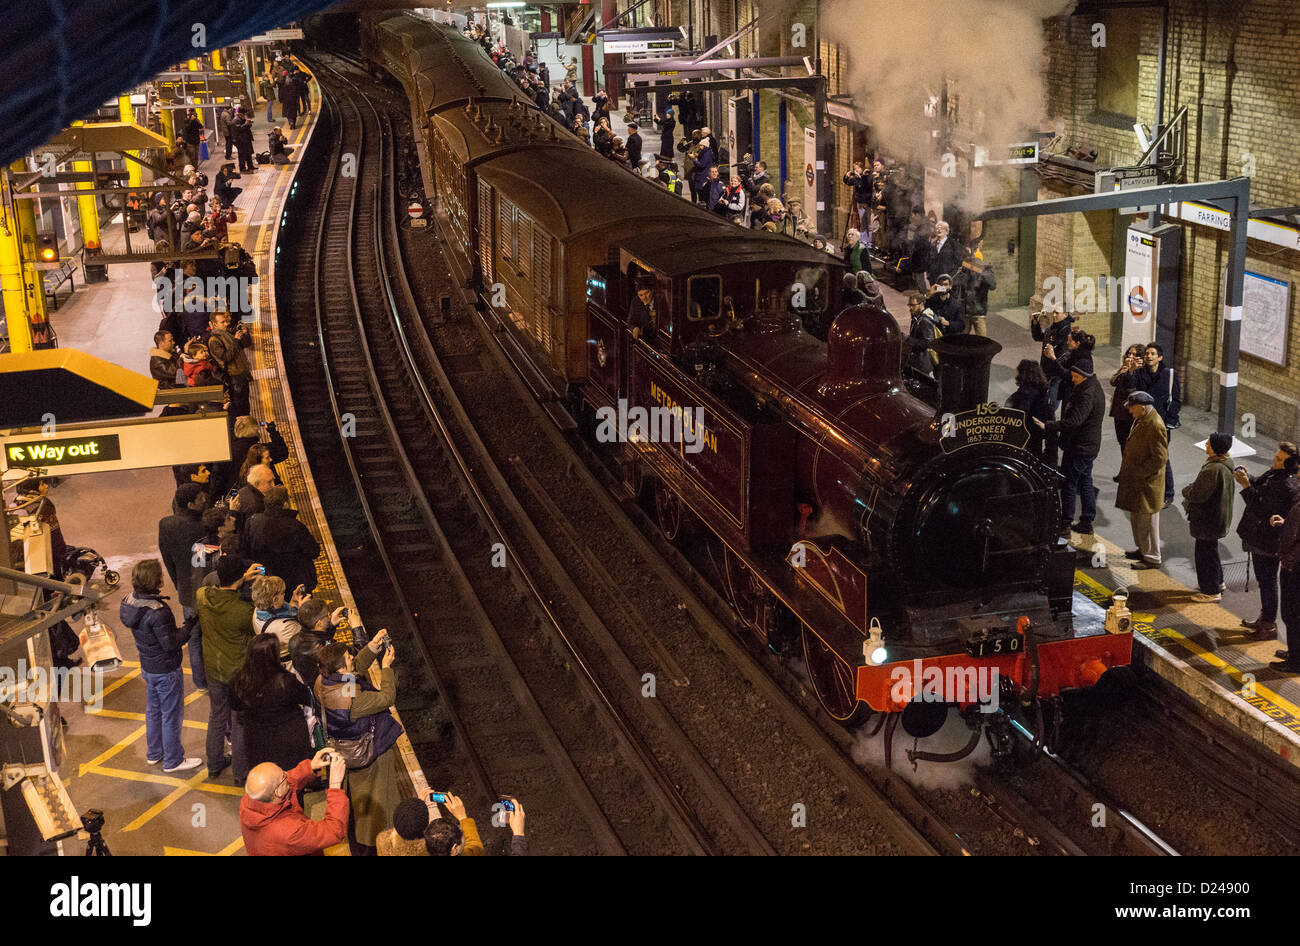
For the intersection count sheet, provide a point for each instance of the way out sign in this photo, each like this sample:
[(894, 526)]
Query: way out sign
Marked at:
[(120, 445), (415, 210)]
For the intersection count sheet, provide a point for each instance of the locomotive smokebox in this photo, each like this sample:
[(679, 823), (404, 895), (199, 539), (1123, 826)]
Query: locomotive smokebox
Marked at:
[(964, 362)]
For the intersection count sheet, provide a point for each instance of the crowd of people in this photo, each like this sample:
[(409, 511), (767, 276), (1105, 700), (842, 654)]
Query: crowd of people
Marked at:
[(299, 691), (294, 700)]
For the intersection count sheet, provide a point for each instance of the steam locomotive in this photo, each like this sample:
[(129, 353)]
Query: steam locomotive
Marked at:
[(912, 551)]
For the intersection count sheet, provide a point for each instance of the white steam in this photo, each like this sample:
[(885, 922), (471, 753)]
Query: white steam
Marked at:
[(989, 51)]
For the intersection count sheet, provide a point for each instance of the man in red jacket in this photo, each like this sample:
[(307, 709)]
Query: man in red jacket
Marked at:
[(272, 819)]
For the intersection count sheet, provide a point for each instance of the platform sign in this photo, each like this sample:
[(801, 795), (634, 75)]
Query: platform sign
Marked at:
[(639, 45), (121, 445), (276, 36), (1026, 153)]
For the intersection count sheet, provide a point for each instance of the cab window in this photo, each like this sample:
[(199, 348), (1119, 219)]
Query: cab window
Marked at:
[(704, 298)]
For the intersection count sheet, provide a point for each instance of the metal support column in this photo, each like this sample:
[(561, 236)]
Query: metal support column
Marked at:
[(755, 129), (1234, 197), (822, 212), (782, 146), (87, 210), (126, 112), (1235, 279)]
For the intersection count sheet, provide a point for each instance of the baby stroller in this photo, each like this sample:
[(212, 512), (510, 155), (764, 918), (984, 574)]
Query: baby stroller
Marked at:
[(86, 561)]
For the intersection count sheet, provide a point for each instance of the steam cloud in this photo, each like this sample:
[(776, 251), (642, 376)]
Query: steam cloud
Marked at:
[(900, 53)]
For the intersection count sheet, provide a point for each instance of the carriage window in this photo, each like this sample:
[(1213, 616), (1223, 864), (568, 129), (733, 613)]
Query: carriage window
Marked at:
[(704, 295)]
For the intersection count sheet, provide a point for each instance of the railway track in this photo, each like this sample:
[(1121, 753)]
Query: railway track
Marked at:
[(711, 615), (459, 502), (530, 717)]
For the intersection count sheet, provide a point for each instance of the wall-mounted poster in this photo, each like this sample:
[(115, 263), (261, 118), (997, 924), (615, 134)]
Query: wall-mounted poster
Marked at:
[(1264, 324)]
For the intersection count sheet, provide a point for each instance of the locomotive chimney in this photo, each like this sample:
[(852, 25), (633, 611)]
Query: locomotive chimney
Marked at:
[(964, 362)]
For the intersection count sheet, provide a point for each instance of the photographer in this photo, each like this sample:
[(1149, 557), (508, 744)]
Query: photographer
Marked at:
[(1124, 382), (227, 351), (271, 818), (356, 716), (458, 836), (319, 626)]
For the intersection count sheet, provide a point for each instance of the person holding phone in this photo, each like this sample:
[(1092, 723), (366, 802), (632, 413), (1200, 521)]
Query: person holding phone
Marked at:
[(1124, 382), (357, 713), (458, 835)]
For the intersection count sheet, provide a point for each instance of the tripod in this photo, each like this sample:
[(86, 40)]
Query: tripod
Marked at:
[(96, 847), (93, 822)]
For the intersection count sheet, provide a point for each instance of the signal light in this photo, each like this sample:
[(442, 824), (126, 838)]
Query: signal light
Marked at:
[(47, 248)]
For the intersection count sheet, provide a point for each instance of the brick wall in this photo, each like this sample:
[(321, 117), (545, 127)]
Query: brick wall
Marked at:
[(1233, 65)]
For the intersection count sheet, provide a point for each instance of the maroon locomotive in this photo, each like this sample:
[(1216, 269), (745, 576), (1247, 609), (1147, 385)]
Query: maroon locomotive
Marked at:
[(912, 550)]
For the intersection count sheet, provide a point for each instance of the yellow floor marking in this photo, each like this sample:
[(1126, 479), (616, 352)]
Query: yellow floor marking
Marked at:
[(226, 851), (122, 681), (110, 752), (167, 780), (167, 801), (1209, 656), (139, 717)]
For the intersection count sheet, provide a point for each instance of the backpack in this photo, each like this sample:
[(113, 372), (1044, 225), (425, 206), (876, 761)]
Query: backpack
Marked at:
[(263, 157)]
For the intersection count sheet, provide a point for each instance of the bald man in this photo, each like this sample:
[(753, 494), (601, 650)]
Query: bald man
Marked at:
[(271, 817)]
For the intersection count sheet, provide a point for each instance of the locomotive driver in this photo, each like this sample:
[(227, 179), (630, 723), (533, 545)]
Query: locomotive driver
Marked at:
[(641, 313)]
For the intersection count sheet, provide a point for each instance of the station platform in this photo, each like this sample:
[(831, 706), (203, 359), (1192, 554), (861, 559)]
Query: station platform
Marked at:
[(149, 812), (1199, 648)]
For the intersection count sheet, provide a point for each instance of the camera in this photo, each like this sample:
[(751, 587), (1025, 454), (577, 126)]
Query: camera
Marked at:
[(745, 170), (93, 821)]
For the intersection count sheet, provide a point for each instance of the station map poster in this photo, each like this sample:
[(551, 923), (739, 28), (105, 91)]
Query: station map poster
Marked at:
[(1264, 306)]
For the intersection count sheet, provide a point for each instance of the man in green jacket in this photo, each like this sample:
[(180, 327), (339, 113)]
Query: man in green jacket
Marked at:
[(1209, 514), (227, 624)]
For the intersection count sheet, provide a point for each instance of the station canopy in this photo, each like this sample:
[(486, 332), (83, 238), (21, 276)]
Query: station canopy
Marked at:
[(71, 385)]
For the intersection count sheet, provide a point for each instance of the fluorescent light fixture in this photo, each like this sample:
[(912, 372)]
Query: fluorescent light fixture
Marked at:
[(506, 4)]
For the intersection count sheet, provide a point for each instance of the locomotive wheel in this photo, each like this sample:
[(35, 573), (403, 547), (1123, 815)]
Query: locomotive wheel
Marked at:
[(670, 511), (832, 678)]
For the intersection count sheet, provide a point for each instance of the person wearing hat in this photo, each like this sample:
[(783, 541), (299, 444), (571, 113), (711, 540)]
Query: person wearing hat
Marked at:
[(1209, 500), (1079, 436), (1142, 478), (406, 837)]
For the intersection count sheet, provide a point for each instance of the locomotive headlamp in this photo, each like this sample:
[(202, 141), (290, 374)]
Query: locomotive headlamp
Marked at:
[(873, 648)]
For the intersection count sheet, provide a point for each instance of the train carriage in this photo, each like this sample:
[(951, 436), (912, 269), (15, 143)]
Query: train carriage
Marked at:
[(884, 533)]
